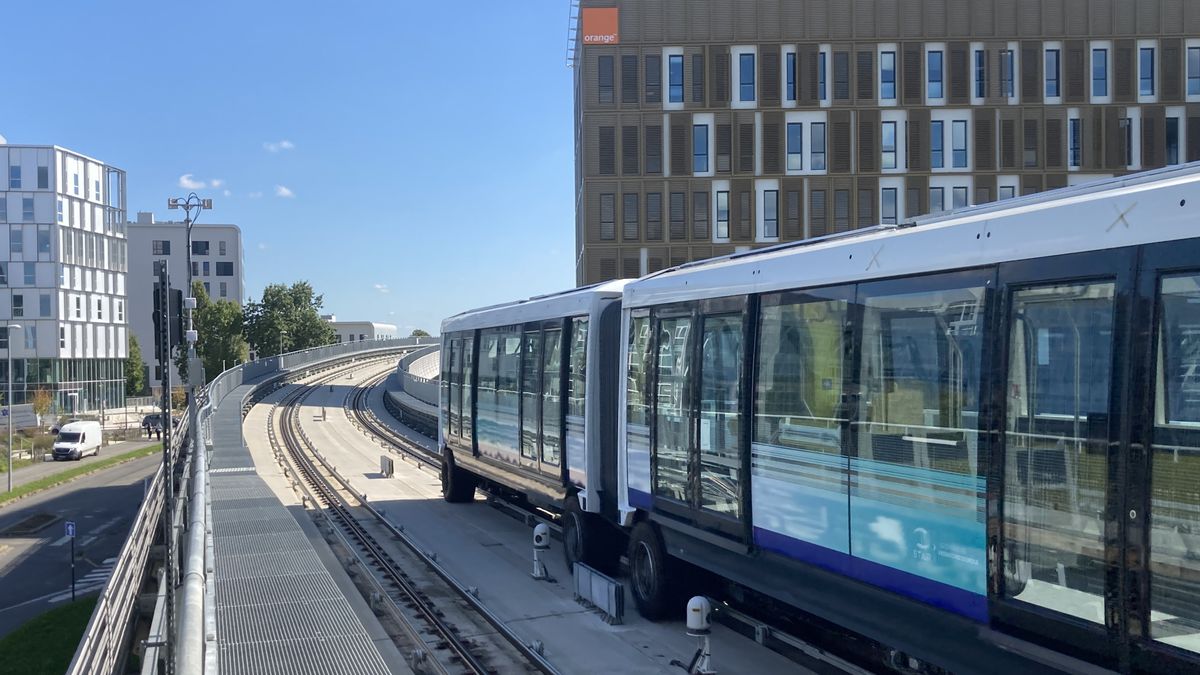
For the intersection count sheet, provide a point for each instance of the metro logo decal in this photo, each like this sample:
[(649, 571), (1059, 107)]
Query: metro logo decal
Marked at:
[(600, 26)]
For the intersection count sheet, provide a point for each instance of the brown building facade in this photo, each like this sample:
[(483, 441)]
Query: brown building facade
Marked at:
[(703, 127)]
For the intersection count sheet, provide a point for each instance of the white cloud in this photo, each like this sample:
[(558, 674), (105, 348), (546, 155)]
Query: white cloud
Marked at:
[(262, 246), (228, 193), (383, 288), (277, 146), (188, 183), (255, 195), (283, 191), (216, 182)]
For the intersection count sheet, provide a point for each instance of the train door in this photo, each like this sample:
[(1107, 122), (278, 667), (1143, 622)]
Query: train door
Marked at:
[(1162, 542), (531, 395), (552, 404), (1058, 495), (575, 413)]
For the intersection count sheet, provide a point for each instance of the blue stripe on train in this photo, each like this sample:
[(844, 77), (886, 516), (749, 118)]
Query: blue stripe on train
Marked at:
[(945, 596), (639, 499)]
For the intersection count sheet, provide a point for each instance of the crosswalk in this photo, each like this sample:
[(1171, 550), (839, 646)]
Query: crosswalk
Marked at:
[(92, 581)]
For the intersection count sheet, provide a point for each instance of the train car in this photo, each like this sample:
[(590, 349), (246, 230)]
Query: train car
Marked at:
[(528, 408), (975, 438)]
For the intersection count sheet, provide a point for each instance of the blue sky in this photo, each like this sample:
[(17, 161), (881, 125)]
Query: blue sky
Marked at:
[(430, 166)]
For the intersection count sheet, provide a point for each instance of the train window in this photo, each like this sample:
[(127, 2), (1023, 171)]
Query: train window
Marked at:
[(917, 502), (466, 418), (673, 412), (486, 403), (577, 389), (797, 461), (552, 396), (637, 404), (720, 414), (1175, 466), (531, 377), (450, 384), (1056, 446)]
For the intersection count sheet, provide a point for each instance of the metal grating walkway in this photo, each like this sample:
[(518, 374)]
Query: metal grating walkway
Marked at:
[(278, 608)]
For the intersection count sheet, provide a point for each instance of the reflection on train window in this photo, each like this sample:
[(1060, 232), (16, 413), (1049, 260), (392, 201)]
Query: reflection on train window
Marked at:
[(674, 407), (453, 388), (800, 470), (720, 428), (496, 403), (1175, 480), (552, 396), (1056, 446), (467, 430), (577, 393), (637, 406), (531, 377), (917, 493)]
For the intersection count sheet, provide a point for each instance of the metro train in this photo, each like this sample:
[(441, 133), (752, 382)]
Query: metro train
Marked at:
[(973, 437)]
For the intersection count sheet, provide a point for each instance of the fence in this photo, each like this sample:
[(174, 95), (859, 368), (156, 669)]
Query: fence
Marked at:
[(108, 632)]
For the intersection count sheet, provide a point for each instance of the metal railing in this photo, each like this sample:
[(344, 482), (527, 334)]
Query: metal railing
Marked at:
[(105, 642), (420, 388)]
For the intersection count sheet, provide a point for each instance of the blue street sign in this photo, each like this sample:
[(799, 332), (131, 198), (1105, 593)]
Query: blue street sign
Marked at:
[(70, 528), (4, 413)]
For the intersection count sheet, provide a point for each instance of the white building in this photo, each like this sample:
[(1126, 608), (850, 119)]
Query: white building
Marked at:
[(355, 331), (217, 262), (62, 276)]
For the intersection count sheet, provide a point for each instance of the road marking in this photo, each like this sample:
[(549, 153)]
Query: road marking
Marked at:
[(61, 540)]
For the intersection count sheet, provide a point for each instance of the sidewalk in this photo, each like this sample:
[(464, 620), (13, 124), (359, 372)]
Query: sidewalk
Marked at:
[(28, 474)]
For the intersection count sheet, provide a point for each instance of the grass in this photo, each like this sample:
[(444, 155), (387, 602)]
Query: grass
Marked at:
[(75, 472), (46, 643)]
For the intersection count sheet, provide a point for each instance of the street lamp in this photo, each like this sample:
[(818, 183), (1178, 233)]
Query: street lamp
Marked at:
[(189, 204), (282, 333), (8, 349)]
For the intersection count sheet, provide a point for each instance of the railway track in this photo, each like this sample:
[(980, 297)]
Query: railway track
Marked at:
[(432, 612)]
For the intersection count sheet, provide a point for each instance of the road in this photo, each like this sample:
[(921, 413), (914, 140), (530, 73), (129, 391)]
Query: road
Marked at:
[(36, 567), (39, 470)]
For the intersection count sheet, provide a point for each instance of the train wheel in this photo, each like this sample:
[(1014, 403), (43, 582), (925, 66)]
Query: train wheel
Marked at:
[(577, 535), (648, 572), (458, 486)]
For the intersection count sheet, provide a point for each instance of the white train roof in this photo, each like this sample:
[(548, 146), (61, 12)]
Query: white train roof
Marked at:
[(573, 302), (1161, 205)]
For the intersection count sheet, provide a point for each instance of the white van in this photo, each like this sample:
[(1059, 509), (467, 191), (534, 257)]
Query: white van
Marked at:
[(77, 439)]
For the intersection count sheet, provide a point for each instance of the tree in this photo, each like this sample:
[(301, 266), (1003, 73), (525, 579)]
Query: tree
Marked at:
[(418, 333), (42, 402), (135, 373), (287, 318), (219, 341)]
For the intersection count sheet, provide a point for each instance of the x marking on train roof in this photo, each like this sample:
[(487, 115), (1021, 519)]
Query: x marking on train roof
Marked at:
[(1121, 216), (874, 261)]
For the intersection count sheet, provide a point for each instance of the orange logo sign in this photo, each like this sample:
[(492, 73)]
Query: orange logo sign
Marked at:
[(600, 26)]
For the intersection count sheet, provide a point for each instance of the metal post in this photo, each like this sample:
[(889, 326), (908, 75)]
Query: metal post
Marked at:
[(164, 291), (9, 329)]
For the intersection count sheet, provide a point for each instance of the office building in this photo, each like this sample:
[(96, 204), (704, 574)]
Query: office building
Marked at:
[(710, 126), (355, 331), (217, 262), (63, 271)]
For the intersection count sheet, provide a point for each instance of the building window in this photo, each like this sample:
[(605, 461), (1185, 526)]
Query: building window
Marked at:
[(206, 268), (958, 143), (889, 145), (60, 211), (937, 142), (43, 239), (30, 274), (1052, 82), (43, 177), (1007, 66), (888, 206), (822, 92), (816, 160), (1146, 71), (1099, 72), (78, 308), (3, 274), (629, 217), (746, 77), (199, 248), (653, 79), (207, 288), (221, 247), (841, 210), (1007, 192), (160, 247), (44, 305), (608, 217), (27, 209), (1193, 71), (16, 242), (887, 76), (18, 305), (224, 269), (790, 89), (841, 76), (1127, 124), (96, 190), (795, 146), (99, 309), (14, 177), (31, 338), (675, 78), (76, 185), (1074, 151), (62, 337), (1172, 140), (224, 289), (605, 78), (697, 78), (3, 209), (960, 196), (722, 215), (980, 73), (195, 268), (699, 148), (934, 89), (937, 200), (120, 311), (771, 214)]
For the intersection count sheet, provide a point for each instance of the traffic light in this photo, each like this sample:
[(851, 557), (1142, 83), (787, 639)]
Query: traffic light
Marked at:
[(173, 319)]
